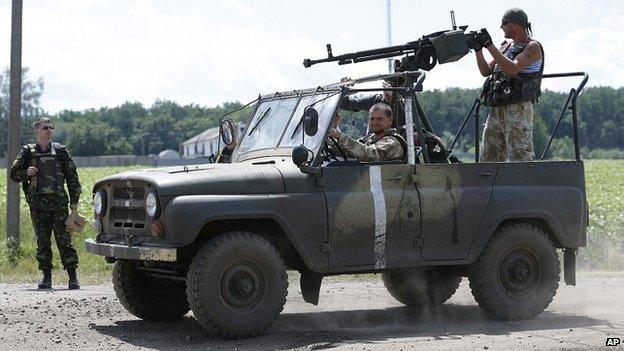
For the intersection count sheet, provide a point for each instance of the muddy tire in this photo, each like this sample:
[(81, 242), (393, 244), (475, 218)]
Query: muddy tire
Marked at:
[(517, 274), (237, 285), (148, 297), (417, 287)]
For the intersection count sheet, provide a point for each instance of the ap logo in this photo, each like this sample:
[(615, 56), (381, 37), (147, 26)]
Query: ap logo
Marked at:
[(613, 341)]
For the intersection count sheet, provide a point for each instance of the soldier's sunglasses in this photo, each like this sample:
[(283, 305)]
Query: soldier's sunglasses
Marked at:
[(47, 127)]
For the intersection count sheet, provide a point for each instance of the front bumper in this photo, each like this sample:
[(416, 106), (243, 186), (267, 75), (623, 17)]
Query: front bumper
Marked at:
[(138, 253)]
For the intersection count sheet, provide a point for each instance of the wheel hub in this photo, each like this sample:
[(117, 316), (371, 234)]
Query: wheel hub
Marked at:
[(519, 272), (242, 286)]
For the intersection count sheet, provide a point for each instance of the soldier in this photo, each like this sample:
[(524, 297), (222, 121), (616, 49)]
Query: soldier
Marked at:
[(43, 168), (512, 87), (383, 144), (360, 103)]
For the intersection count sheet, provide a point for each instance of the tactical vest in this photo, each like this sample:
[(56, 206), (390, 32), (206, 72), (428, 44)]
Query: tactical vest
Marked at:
[(50, 178), (499, 89)]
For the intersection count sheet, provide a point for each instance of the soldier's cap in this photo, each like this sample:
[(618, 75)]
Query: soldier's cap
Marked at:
[(516, 15)]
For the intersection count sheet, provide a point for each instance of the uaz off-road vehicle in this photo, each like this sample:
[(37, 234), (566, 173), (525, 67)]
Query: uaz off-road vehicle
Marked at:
[(218, 238)]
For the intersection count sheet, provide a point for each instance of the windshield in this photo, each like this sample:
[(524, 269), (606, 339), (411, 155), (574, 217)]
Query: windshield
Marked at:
[(267, 124), (324, 105), (277, 120)]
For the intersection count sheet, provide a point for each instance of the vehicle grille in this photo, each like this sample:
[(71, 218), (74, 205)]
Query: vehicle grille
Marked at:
[(134, 214), (129, 193)]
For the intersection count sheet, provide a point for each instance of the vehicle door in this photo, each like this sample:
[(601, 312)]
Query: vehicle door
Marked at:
[(362, 205), (453, 199)]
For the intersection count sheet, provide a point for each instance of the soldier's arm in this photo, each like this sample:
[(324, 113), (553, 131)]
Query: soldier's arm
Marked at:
[(71, 176), (485, 68), (388, 148), (18, 169), (360, 103), (530, 54)]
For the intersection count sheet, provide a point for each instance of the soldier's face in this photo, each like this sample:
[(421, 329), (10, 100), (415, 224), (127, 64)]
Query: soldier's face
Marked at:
[(45, 131), (379, 121)]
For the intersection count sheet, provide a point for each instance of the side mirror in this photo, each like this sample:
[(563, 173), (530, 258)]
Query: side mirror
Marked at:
[(300, 155), (226, 129), (310, 121)]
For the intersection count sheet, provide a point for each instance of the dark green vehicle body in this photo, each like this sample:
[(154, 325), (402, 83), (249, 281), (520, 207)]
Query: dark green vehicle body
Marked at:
[(344, 217)]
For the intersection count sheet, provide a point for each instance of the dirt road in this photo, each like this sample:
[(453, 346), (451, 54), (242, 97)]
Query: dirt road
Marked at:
[(353, 315)]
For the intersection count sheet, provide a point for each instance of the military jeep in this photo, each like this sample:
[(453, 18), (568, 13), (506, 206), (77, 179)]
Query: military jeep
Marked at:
[(219, 238)]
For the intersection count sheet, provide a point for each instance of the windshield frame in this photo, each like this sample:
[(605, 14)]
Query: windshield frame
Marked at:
[(286, 151)]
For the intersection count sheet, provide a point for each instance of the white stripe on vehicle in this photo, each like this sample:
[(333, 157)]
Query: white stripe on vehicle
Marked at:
[(379, 202)]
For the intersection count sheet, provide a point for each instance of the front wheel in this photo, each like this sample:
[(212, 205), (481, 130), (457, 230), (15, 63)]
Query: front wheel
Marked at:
[(148, 297), (517, 274), (237, 285)]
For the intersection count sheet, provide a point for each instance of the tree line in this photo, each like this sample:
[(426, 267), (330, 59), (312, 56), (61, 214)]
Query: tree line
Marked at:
[(135, 129)]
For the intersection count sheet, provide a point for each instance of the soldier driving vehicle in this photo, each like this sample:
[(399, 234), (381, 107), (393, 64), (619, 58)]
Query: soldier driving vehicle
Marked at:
[(218, 238)]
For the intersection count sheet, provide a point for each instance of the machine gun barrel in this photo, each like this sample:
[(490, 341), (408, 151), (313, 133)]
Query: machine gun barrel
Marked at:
[(443, 47), (365, 55)]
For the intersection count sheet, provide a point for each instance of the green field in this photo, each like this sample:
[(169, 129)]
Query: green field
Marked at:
[(605, 181)]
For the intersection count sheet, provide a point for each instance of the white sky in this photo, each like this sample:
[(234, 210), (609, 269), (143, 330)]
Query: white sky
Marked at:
[(94, 53)]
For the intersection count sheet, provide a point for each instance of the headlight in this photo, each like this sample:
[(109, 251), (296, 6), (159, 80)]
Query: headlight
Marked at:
[(99, 203), (151, 205)]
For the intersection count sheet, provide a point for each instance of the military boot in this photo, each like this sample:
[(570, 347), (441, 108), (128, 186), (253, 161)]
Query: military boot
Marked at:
[(46, 282), (73, 279)]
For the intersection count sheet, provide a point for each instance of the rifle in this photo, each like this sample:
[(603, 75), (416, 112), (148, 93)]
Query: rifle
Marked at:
[(443, 46)]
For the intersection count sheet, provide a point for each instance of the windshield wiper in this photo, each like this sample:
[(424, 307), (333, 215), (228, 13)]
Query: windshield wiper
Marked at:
[(297, 128), (259, 120)]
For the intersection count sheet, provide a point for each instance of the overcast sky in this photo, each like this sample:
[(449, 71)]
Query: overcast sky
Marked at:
[(94, 53)]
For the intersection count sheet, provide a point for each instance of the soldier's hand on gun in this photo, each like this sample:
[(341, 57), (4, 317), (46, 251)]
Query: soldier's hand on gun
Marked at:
[(484, 39), (31, 171), (473, 43)]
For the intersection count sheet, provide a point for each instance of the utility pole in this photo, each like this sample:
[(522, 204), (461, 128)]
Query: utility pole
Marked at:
[(388, 32), (15, 96)]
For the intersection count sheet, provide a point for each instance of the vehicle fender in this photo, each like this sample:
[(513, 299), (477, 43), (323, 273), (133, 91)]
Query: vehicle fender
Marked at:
[(561, 209), (301, 216)]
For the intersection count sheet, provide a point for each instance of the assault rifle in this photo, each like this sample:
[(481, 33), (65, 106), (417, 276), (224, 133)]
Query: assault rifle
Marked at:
[(439, 47)]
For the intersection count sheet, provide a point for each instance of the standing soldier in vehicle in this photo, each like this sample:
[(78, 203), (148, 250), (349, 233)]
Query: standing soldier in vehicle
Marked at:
[(43, 168), (383, 144), (512, 87)]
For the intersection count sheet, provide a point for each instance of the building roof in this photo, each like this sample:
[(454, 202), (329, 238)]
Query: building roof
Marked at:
[(208, 134)]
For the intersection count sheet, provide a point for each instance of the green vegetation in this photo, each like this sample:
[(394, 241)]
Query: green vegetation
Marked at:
[(605, 240)]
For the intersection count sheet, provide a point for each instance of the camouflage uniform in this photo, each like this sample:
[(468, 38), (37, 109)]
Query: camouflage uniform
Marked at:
[(372, 148), (47, 199), (508, 133)]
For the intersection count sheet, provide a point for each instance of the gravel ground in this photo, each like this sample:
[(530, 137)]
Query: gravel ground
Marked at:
[(351, 315)]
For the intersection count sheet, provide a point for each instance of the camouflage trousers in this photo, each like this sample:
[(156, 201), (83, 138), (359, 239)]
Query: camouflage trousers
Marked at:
[(508, 134), (44, 222)]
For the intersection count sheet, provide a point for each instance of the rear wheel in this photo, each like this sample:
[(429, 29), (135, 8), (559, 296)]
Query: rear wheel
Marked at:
[(517, 274), (148, 297), (237, 285), (421, 286)]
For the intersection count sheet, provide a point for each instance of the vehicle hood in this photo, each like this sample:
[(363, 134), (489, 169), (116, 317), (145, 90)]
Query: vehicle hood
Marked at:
[(220, 178)]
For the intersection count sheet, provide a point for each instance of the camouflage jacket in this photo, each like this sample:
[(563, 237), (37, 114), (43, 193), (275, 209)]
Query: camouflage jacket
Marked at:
[(372, 148), (56, 160)]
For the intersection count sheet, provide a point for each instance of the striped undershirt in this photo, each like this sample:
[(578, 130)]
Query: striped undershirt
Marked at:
[(532, 68)]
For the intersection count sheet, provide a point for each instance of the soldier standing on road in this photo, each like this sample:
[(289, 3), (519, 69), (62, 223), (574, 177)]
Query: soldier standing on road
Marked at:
[(43, 168), (512, 87), (383, 144)]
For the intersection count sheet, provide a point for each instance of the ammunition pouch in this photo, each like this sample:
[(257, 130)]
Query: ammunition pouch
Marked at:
[(500, 89)]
